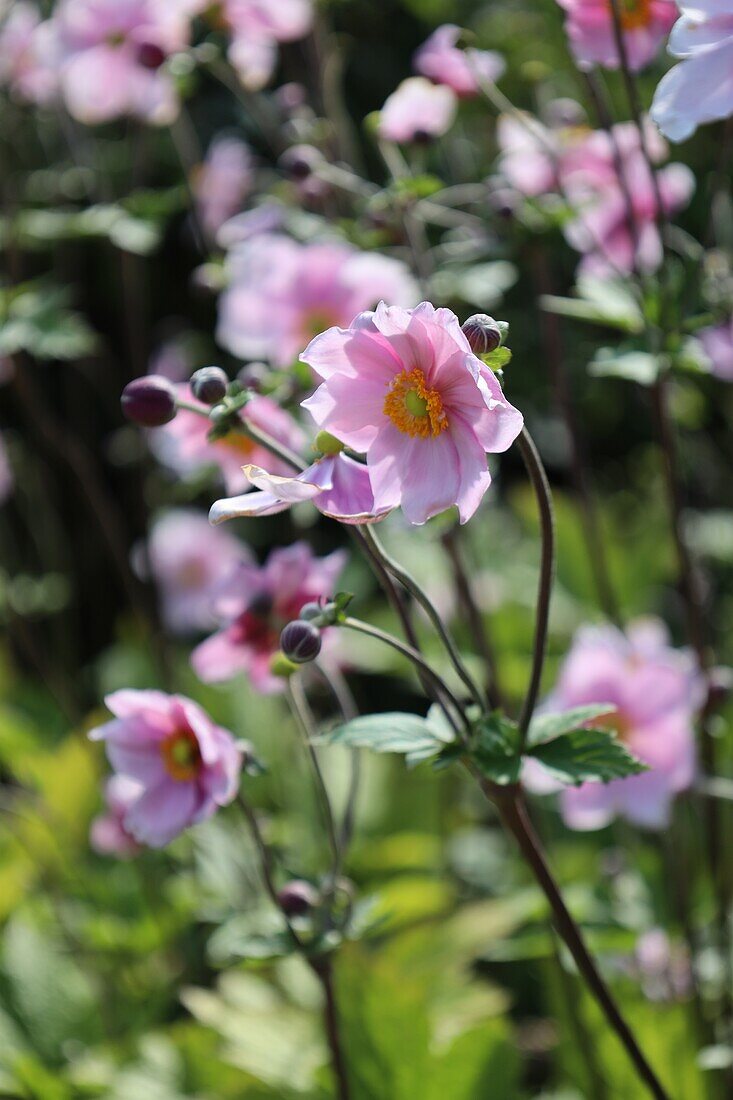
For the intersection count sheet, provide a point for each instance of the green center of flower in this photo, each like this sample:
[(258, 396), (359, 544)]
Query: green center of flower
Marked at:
[(181, 755), (415, 403)]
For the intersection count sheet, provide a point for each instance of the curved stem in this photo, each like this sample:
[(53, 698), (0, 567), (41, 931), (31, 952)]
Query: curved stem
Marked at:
[(304, 718), (405, 578), (413, 655), (541, 486), (248, 429), (347, 705), (469, 604), (514, 815), (267, 866)]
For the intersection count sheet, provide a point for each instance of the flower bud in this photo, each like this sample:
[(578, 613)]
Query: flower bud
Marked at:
[(281, 666), (300, 161), (253, 376), (297, 898), (209, 385), (150, 55), (327, 444), (300, 641), (149, 401), (311, 611), (482, 333)]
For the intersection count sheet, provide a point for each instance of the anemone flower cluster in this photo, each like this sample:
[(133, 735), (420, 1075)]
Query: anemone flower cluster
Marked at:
[(254, 605), (179, 766), (645, 25), (699, 88), (584, 165), (281, 293), (184, 444), (187, 559), (657, 692), (114, 54), (256, 29)]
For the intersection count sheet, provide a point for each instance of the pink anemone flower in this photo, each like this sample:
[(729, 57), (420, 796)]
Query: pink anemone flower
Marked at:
[(657, 692), (222, 182), (108, 835), (28, 54), (256, 28), (254, 606), (114, 54), (699, 89), (187, 560), (417, 110), (645, 25), (183, 443), (717, 343), (337, 485), (404, 387), (442, 60), (184, 764), (282, 293)]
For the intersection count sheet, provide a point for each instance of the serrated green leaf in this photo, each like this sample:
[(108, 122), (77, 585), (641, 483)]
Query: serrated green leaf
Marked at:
[(587, 756), (495, 749), (392, 732), (546, 727)]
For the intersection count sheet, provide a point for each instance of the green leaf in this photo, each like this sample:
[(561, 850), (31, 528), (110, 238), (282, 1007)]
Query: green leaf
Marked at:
[(35, 319), (546, 727), (600, 302), (635, 366), (496, 748), (587, 756), (392, 732), (498, 359)]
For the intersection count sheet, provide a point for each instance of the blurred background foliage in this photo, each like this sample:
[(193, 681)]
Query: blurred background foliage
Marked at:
[(142, 978)]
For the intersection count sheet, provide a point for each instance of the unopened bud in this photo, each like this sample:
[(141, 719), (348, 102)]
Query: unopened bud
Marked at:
[(297, 898), (150, 55), (149, 401), (300, 161), (311, 611), (327, 444), (281, 666), (482, 333), (209, 385), (300, 641)]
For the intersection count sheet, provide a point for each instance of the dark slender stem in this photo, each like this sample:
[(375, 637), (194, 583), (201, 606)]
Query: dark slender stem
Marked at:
[(412, 654), (514, 815), (541, 486), (586, 1049), (552, 344), (469, 606), (342, 693), (405, 578), (246, 428), (323, 968), (267, 866)]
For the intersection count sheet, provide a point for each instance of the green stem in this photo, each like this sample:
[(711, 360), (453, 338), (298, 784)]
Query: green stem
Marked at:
[(408, 581), (304, 718)]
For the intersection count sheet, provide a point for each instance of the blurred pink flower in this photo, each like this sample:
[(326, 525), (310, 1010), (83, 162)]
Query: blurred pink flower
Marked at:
[(601, 227), (114, 54), (717, 342), (534, 157), (188, 559), (222, 182), (256, 27), (108, 835), (184, 764), (28, 54), (337, 485), (699, 89), (255, 604), (282, 293), (657, 692), (589, 26), (417, 111), (444, 62), (6, 473), (404, 387), (183, 444)]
